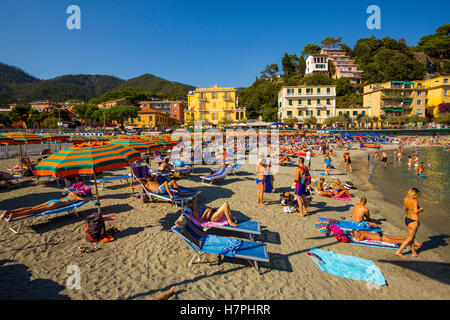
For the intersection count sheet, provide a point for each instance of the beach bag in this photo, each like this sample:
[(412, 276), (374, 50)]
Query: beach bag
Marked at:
[(94, 228), (306, 179)]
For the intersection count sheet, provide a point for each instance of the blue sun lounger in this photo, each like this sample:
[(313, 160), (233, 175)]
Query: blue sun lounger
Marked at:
[(221, 174), (249, 227), (71, 209), (141, 172), (201, 242), (102, 181)]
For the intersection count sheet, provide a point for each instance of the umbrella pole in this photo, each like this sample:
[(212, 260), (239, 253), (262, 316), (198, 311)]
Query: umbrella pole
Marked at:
[(131, 181), (96, 192)]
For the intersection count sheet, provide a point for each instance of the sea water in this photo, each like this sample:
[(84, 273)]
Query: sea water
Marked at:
[(394, 181)]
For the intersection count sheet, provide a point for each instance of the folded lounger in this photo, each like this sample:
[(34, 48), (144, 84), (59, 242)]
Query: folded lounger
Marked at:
[(250, 227), (201, 242), (220, 174), (347, 225), (143, 172)]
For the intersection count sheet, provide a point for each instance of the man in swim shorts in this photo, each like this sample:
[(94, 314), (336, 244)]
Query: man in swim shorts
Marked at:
[(384, 158), (361, 216)]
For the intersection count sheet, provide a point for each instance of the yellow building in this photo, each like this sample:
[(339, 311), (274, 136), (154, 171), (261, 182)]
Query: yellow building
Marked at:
[(394, 98), (150, 118), (213, 105), (434, 92), (303, 101)]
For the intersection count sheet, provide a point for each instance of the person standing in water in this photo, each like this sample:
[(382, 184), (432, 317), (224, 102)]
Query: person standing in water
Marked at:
[(384, 158), (412, 209), (420, 169)]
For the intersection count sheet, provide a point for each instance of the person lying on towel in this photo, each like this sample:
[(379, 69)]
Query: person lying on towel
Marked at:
[(360, 235), (164, 187), (339, 191), (361, 216), (82, 193), (211, 214)]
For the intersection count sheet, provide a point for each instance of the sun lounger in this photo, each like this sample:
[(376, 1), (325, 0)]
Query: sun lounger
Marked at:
[(249, 227), (8, 178), (201, 242), (71, 209), (102, 181), (186, 194), (221, 174)]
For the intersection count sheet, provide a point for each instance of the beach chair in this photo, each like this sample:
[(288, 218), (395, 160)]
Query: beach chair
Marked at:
[(8, 178), (235, 168), (251, 228), (103, 181), (71, 209), (221, 174), (143, 172), (201, 242)]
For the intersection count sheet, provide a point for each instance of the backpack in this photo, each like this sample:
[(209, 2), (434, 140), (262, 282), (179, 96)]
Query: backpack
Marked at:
[(94, 228), (306, 179)]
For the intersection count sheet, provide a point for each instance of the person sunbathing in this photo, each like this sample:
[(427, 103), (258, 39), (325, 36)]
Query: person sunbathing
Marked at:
[(165, 166), (321, 189), (339, 191), (164, 188), (361, 216), (211, 214), (82, 193), (360, 235)]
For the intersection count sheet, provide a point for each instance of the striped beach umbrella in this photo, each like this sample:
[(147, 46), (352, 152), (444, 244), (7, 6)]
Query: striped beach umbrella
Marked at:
[(4, 139), (56, 137), (24, 138), (21, 138), (136, 143), (87, 158)]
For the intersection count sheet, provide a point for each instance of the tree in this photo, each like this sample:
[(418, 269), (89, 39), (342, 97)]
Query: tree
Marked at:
[(437, 45), (317, 79), (443, 118), (311, 49), (37, 117), (270, 70), (122, 112), (4, 120), (330, 42), (51, 123), (310, 121), (290, 121), (289, 64)]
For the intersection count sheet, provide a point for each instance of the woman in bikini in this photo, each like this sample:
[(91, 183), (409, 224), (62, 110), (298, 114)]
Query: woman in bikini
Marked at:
[(211, 214), (412, 209), (360, 235), (82, 194), (339, 190), (164, 187), (321, 188), (261, 173)]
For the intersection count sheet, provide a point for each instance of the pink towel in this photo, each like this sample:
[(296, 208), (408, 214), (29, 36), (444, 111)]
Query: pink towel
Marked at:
[(207, 224), (342, 198)]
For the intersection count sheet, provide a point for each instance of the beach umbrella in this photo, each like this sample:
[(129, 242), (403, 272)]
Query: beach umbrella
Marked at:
[(87, 158), (136, 143), (4, 139), (21, 138)]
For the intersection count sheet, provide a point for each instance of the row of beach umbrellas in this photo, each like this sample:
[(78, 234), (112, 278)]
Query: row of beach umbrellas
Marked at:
[(89, 157)]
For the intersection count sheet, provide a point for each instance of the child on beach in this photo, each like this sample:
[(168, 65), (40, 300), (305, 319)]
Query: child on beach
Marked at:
[(420, 169)]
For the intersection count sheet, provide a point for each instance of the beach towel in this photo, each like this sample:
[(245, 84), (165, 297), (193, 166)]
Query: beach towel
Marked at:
[(206, 224), (269, 187), (221, 245), (349, 267), (345, 225), (344, 198)]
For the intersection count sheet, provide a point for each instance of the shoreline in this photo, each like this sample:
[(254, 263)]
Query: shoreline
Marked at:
[(396, 224)]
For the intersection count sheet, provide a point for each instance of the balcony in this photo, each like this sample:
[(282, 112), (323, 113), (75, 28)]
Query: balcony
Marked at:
[(310, 94), (228, 99)]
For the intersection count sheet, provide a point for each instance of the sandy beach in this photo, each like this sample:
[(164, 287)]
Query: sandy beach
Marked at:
[(147, 258)]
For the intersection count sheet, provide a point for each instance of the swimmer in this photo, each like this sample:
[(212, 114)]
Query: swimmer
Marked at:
[(420, 169)]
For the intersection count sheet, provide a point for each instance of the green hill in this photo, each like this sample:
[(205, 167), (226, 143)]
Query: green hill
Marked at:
[(16, 86)]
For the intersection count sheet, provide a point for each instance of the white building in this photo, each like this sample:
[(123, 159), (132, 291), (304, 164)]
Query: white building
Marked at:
[(304, 101), (316, 63)]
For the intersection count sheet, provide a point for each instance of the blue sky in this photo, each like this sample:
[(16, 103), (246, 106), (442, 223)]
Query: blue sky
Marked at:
[(195, 42)]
